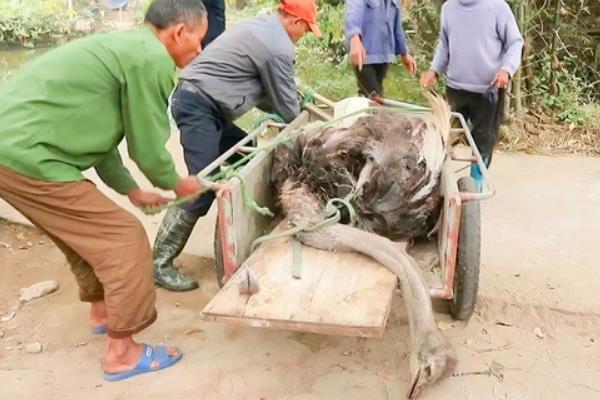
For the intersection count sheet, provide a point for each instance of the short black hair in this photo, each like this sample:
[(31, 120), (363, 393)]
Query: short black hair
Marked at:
[(163, 13)]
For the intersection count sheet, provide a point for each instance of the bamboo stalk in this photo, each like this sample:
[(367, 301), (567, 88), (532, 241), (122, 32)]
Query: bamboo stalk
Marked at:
[(554, 49), (517, 85)]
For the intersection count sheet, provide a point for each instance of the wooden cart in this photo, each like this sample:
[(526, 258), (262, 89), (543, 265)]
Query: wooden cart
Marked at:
[(338, 293)]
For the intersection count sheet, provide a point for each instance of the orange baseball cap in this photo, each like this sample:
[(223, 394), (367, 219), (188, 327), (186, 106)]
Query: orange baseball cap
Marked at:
[(303, 9)]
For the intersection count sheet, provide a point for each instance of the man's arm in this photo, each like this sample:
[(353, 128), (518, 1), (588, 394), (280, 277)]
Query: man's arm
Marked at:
[(277, 77), (442, 52), (439, 65), (401, 44), (112, 172), (512, 40), (144, 99), (353, 18)]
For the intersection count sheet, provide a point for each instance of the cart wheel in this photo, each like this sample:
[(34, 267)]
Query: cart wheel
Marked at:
[(466, 276), (218, 250)]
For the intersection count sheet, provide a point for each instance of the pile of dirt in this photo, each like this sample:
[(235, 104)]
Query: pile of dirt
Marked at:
[(539, 133)]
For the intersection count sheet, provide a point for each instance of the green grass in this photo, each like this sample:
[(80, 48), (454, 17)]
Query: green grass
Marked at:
[(336, 80)]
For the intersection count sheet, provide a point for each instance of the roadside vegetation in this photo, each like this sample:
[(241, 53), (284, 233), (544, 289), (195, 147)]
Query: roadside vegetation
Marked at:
[(554, 101)]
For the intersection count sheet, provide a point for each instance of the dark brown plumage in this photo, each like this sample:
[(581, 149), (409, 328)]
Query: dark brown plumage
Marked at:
[(392, 162), (399, 200)]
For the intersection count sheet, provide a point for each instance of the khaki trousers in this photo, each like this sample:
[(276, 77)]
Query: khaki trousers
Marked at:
[(106, 247)]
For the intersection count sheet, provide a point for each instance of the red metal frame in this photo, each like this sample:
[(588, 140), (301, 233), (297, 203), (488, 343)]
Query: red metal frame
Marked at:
[(448, 247), (449, 233), (223, 227)]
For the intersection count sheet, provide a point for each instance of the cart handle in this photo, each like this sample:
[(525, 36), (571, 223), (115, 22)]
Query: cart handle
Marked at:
[(489, 189)]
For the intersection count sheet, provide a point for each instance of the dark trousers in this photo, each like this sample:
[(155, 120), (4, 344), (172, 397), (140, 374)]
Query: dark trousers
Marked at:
[(205, 135), (370, 79), (215, 10), (483, 112)]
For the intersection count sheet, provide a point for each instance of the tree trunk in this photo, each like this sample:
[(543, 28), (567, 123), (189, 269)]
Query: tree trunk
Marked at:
[(554, 63), (517, 84)]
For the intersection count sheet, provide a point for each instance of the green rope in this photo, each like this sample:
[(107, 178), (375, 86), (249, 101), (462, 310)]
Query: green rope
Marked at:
[(249, 201), (332, 215), (307, 95), (267, 117), (225, 174), (228, 171), (296, 259)]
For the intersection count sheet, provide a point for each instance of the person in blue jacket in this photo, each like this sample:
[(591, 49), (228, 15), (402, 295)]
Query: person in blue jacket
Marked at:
[(375, 37)]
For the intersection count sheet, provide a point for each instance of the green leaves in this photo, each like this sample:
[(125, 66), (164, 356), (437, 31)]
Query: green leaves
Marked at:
[(30, 22)]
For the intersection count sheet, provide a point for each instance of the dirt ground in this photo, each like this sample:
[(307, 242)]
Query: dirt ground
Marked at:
[(535, 333)]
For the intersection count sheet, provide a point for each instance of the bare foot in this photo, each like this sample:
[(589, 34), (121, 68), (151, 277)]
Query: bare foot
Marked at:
[(98, 316)]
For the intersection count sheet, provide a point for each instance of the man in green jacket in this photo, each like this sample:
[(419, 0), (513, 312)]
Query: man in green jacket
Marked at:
[(66, 112)]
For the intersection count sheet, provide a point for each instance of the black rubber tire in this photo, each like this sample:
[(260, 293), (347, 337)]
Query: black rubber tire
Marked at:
[(466, 276), (218, 252)]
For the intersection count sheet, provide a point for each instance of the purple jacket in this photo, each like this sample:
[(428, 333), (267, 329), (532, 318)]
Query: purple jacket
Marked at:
[(477, 38)]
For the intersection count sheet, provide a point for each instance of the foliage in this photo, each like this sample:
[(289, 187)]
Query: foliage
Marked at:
[(29, 21), (566, 103), (561, 57), (559, 70), (560, 65), (331, 23)]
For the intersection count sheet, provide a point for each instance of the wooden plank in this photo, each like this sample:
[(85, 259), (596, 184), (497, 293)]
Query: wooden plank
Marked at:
[(338, 293), (248, 224)]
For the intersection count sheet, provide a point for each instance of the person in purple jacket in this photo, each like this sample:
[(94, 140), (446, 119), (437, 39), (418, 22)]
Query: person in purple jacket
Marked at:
[(479, 52), (375, 37)]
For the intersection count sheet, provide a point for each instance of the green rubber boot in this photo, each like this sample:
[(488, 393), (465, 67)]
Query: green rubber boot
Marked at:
[(173, 234)]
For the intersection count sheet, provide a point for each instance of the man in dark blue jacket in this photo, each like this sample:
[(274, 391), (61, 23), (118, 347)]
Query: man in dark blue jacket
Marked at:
[(216, 20)]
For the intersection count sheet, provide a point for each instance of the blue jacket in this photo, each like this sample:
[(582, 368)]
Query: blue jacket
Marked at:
[(379, 23)]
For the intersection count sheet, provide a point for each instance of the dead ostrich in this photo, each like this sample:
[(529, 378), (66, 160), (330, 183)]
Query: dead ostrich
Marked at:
[(392, 163)]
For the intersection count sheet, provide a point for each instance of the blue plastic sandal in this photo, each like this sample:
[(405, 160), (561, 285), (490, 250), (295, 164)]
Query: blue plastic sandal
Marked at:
[(99, 330), (144, 364)]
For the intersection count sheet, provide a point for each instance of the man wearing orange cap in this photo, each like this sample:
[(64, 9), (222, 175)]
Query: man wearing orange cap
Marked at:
[(248, 66)]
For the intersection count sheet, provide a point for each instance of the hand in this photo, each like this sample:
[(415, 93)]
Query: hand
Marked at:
[(188, 186), (428, 79), (143, 199), (501, 79), (409, 63), (193, 185), (358, 53)]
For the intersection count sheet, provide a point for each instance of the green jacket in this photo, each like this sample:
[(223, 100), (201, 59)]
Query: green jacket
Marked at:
[(67, 111)]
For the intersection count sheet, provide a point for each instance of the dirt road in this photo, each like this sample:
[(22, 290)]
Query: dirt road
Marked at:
[(535, 334)]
